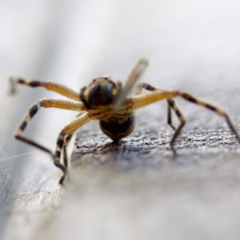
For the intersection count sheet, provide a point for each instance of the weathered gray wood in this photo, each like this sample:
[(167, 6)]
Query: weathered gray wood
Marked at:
[(135, 189)]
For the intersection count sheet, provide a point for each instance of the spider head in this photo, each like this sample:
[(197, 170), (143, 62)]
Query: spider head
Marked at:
[(100, 92)]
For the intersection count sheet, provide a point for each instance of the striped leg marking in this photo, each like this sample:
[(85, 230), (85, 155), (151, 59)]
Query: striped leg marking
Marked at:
[(66, 142), (169, 117), (48, 85), (139, 101), (140, 86), (171, 106), (64, 137), (18, 135), (138, 90), (32, 112), (182, 120), (217, 110)]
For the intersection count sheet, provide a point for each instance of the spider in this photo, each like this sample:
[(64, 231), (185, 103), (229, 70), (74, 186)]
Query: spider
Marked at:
[(106, 100)]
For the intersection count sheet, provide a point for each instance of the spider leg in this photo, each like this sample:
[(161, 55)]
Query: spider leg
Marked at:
[(143, 85), (64, 137), (133, 77), (55, 87), (169, 116), (171, 104), (66, 142), (142, 100), (211, 107), (67, 139), (46, 103)]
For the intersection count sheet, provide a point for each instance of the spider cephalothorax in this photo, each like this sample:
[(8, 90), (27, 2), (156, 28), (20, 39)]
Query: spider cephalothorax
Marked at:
[(107, 101), (100, 92)]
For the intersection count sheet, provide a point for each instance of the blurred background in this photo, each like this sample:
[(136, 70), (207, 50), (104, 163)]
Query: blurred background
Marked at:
[(191, 45)]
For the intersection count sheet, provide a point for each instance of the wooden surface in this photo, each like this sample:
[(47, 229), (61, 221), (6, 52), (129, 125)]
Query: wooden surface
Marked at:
[(135, 189)]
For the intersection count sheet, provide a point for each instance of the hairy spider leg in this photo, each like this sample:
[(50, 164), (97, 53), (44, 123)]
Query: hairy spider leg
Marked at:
[(142, 100), (135, 74), (211, 107), (171, 105), (55, 87), (67, 139), (66, 131), (66, 142), (169, 116), (46, 103), (143, 85)]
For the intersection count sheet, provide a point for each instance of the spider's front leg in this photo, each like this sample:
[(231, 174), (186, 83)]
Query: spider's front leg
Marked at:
[(171, 106), (211, 107), (46, 103), (51, 86), (63, 139), (139, 101)]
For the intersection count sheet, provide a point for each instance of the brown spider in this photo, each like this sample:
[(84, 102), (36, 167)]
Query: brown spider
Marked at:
[(105, 100)]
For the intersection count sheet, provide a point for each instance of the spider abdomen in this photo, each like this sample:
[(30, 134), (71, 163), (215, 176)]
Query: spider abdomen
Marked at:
[(117, 130)]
